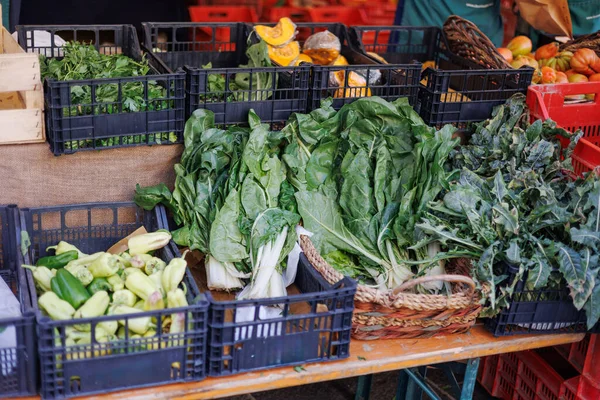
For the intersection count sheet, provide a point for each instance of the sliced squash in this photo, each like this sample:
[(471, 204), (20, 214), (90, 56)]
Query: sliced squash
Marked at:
[(284, 55), (279, 35), (341, 60), (323, 47), (355, 87), (377, 57), (302, 58)]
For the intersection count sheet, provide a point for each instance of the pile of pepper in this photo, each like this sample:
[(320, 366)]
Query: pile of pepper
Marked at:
[(74, 285)]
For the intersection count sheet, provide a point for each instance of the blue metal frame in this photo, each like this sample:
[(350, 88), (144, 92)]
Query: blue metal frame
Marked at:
[(411, 382)]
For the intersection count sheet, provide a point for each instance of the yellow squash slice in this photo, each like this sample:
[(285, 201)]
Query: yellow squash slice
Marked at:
[(285, 55), (279, 35)]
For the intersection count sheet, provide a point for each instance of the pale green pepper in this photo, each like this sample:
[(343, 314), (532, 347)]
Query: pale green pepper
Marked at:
[(142, 244), (95, 306), (109, 326), (42, 276), (156, 278), (154, 302), (104, 266), (154, 265), (80, 272), (125, 297), (153, 344), (130, 271), (116, 282), (173, 274), (63, 247), (139, 261), (140, 284), (139, 325), (176, 298), (56, 308), (86, 261), (140, 304)]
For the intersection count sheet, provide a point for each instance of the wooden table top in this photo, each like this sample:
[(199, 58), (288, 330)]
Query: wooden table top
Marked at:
[(366, 357)]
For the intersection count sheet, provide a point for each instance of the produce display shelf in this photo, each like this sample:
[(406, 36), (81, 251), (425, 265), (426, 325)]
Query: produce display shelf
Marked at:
[(68, 371)]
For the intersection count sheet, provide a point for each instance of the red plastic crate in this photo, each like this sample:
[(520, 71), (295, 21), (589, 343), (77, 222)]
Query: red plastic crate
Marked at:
[(380, 14), (568, 391), (536, 380), (341, 14), (487, 373), (222, 14), (548, 101), (296, 14), (257, 5), (590, 379), (578, 353), (498, 375)]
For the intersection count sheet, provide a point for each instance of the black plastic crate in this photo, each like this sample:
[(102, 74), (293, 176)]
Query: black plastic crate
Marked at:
[(457, 91), (195, 44), (7, 237), (314, 326), (287, 94), (542, 311), (123, 364), (18, 368), (399, 79), (96, 125)]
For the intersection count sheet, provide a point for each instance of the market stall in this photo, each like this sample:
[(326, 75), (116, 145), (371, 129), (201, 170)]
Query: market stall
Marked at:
[(235, 207)]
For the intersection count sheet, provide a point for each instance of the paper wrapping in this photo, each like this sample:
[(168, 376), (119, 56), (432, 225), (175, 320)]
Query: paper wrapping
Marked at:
[(549, 16)]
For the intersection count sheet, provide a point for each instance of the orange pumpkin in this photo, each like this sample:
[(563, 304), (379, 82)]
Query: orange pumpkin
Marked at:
[(548, 75), (561, 77), (594, 78), (576, 78), (520, 46), (547, 51), (504, 52), (583, 60)]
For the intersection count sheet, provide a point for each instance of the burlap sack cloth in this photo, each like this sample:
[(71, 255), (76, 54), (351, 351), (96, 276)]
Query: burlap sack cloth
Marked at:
[(31, 176)]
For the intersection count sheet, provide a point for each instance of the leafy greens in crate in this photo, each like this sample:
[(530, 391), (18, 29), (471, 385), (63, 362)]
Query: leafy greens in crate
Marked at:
[(81, 62), (515, 201)]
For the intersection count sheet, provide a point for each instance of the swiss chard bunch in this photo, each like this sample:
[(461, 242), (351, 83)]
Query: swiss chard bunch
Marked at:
[(515, 202), (232, 203), (364, 175)]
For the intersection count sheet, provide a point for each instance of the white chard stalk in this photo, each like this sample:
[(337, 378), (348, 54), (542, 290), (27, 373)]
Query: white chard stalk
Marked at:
[(223, 276), (399, 273), (438, 269), (267, 281)]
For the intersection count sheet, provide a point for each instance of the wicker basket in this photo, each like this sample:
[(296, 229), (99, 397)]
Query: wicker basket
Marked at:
[(467, 41), (591, 41), (394, 314)]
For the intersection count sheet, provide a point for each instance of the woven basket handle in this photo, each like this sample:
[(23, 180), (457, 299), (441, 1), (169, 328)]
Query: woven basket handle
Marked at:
[(327, 271), (445, 277)]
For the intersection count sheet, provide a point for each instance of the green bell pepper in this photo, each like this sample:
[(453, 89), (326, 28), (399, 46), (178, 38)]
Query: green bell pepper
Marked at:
[(99, 284), (71, 288), (58, 261)]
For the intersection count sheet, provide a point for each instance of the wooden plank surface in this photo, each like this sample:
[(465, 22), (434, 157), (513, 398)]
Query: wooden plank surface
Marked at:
[(365, 358)]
